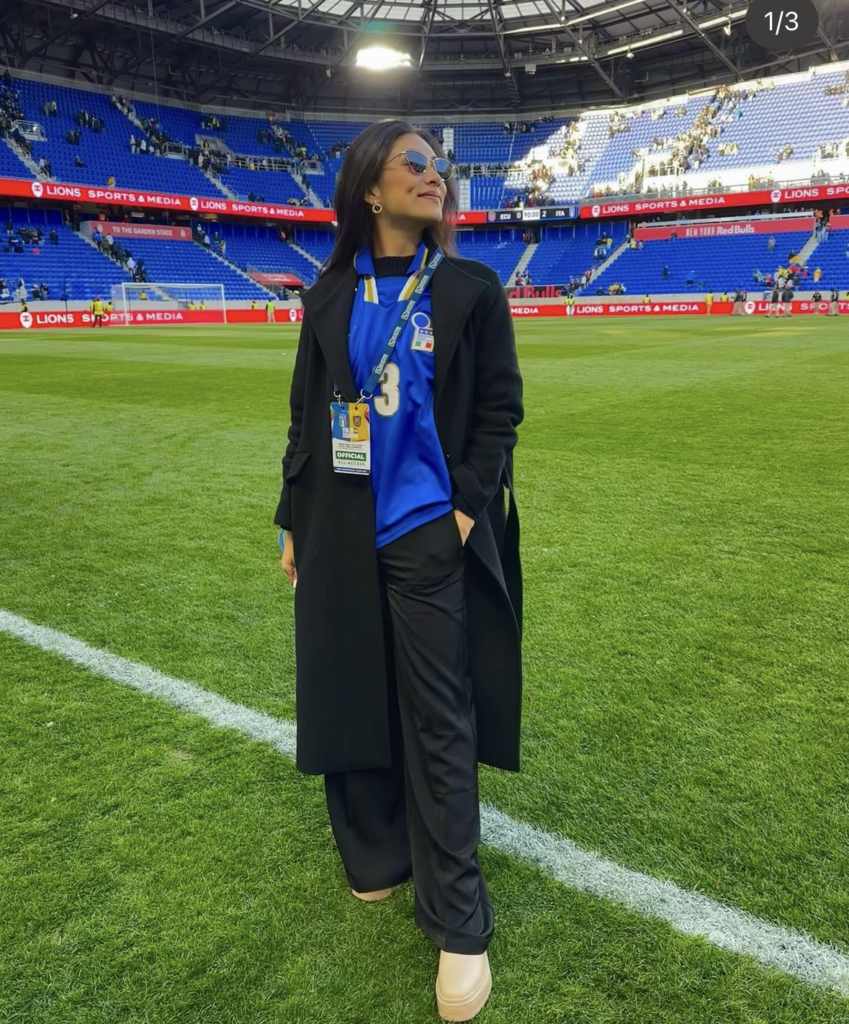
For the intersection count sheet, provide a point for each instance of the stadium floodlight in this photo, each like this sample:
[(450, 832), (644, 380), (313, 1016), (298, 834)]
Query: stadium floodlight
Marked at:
[(601, 11), (648, 41), (598, 12), (382, 58), (724, 19)]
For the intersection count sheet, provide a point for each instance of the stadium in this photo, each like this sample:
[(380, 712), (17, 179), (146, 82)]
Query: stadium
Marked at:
[(656, 195)]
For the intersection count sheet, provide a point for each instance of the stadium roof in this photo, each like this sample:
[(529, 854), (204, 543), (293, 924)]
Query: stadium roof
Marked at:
[(467, 57)]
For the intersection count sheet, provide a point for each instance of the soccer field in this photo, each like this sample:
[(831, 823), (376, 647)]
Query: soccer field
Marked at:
[(684, 492)]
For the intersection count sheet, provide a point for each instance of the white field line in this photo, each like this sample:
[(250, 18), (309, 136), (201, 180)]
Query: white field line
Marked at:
[(794, 953)]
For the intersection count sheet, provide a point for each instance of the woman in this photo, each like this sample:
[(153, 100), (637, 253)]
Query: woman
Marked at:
[(405, 547)]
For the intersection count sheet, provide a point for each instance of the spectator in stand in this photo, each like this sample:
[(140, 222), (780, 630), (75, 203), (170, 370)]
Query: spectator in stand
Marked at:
[(133, 144), (97, 237), (206, 240), (54, 238), (78, 160), (817, 275), (770, 243), (131, 265), (110, 181)]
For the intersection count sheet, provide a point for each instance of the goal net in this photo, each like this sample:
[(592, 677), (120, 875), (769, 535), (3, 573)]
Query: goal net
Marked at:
[(151, 301)]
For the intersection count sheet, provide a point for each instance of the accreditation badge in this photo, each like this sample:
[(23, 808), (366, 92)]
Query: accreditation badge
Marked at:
[(350, 437)]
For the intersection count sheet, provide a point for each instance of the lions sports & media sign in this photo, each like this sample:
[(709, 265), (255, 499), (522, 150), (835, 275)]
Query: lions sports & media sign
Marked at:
[(722, 201), (59, 192), (597, 209), (39, 319)]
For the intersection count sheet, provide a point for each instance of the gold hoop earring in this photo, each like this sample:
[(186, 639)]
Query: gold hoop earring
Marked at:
[(376, 207)]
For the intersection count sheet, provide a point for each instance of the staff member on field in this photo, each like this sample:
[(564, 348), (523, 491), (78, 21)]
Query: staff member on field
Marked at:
[(269, 311), (96, 310), (409, 598)]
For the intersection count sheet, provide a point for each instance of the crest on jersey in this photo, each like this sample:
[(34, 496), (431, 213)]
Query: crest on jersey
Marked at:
[(422, 333)]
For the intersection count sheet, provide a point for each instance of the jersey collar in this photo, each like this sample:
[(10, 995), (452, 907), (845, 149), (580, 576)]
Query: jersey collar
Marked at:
[(364, 265)]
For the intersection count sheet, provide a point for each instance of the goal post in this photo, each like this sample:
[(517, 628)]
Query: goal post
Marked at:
[(132, 298)]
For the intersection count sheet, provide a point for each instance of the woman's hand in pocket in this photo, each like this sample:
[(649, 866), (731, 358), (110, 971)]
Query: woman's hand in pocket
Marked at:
[(464, 524), (287, 562)]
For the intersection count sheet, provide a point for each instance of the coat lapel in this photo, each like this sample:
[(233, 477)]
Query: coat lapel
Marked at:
[(454, 293), (330, 301)]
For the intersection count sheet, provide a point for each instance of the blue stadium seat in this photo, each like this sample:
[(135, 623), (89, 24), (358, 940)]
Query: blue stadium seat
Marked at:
[(73, 266)]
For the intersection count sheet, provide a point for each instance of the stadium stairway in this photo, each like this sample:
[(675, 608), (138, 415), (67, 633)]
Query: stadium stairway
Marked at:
[(14, 163), (307, 255), (832, 257), (169, 262), (524, 260), (218, 182), (808, 248), (611, 259), (235, 266)]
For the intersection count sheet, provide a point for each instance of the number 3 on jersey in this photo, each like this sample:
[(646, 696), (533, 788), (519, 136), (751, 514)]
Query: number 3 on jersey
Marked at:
[(387, 402)]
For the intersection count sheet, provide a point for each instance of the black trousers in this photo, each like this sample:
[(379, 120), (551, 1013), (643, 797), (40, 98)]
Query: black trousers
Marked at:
[(421, 816)]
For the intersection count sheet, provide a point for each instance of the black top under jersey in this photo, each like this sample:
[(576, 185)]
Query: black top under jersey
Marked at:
[(391, 266)]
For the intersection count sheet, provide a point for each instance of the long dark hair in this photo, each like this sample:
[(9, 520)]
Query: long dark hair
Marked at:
[(360, 172)]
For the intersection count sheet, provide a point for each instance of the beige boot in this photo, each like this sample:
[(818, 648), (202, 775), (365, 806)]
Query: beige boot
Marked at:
[(377, 895), (463, 985)]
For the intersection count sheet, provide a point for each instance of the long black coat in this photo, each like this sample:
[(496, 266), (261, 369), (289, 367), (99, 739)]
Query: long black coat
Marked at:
[(341, 685)]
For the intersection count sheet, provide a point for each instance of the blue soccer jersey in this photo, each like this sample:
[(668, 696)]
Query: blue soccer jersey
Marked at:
[(409, 477)]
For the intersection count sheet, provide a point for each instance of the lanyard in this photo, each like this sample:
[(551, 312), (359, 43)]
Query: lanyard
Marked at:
[(424, 280)]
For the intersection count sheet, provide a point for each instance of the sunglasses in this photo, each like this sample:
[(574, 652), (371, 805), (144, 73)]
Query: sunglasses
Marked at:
[(418, 163)]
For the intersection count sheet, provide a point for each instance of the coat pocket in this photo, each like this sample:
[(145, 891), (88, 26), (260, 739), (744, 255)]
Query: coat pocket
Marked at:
[(299, 460)]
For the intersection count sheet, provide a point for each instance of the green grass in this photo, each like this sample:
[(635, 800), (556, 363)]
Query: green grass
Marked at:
[(683, 489)]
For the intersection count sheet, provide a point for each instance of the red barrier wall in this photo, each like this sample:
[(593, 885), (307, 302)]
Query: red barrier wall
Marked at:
[(729, 229), (40, 320), (176, 318)]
